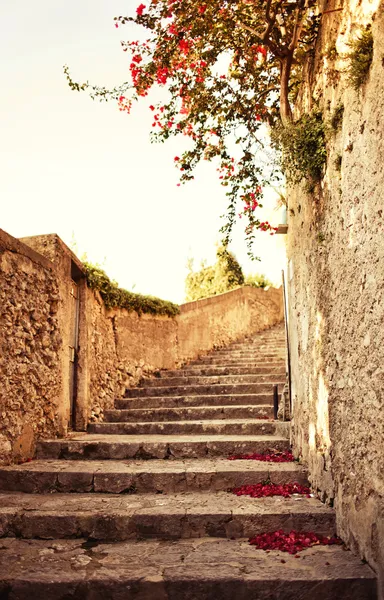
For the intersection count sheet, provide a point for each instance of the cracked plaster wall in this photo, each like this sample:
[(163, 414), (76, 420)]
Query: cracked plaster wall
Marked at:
[(336, 291)]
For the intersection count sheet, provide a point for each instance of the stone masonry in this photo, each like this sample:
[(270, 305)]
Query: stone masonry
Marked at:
[(138, 508)]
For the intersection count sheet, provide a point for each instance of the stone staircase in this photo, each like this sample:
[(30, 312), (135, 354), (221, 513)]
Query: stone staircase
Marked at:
[(138, 508)]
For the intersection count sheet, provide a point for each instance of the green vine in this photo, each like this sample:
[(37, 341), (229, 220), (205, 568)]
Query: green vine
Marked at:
[(302, 147), (360, 58), (115, 297)]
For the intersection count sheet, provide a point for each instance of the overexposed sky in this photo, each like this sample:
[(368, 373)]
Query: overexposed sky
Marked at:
[(87, 172)]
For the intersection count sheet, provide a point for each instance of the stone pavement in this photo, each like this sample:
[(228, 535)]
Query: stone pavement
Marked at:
[(139, 509)]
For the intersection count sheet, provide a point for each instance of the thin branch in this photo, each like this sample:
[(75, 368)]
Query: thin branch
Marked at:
[(271, 45)]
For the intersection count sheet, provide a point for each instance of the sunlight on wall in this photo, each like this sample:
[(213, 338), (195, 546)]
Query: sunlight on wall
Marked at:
[(322, 424), (320, 432), (312, 437)]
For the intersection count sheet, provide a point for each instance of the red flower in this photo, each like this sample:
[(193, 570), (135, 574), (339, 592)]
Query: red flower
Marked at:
[(269, 456), (292, 542), (261, 490), (202, 9), (140, 9)]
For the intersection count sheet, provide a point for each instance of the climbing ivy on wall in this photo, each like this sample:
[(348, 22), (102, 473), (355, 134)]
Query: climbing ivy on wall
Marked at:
[(302, 146), (115, 297)]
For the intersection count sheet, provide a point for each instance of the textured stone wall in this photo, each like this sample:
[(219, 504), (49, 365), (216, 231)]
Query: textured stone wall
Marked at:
[(30, 348), (336, 291), (124, 347), (116, 348), (217, 321)]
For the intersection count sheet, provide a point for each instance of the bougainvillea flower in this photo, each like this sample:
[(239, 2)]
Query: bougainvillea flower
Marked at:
[(262, 490), (269, 456), (292, 542)]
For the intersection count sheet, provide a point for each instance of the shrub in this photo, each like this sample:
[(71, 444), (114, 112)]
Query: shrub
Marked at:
[(113, 296), (302, 147), (225, 275), (337, 117), (258, 280), (360, 58)]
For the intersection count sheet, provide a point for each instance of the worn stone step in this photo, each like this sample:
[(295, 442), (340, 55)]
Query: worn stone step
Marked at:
[(156, 476), (209, 569), (213, 380), (256, 353), (259, 349), (197, 370), (116, 517), (193, 413), (115, 447), (260, 345), (235, 362), (188, 401), (194, 390), (218, 427)]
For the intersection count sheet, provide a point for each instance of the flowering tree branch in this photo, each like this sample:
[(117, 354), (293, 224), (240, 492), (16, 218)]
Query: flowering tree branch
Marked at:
[(228, 66)]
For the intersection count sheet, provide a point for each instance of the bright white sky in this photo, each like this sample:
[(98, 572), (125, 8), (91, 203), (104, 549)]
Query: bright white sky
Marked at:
[(86, 171)]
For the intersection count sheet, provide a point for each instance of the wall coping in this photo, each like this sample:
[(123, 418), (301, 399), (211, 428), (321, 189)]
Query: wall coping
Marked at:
[(12, 244), (240, 291)]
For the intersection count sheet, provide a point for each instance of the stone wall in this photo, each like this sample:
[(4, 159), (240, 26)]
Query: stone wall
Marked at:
[(115, 348), (30, 350), (124, 347), (336, 291), (217, 321)]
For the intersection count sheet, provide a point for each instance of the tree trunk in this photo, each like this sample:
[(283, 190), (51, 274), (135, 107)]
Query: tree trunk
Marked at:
[(285, 71)]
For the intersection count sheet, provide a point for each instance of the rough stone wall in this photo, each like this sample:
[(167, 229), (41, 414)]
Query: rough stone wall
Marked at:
[(68, 268), (30, 346), (124, 347), (217, 321), (116, 349), (336, 291), (120, 352)]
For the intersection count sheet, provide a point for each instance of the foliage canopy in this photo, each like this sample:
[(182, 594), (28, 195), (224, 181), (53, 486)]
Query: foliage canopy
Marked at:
[(231, 68), (225, 275)]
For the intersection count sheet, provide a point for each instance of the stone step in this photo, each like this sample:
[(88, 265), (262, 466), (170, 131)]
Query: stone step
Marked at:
[(198, 390), (117, 517), (213, 380), (236, 362), (262, 348), (115, 447), (218, 427), (194, 413), (256, 347), (188, 401), (209, 569), (196, 370), (155, 476), (261, 344), (256, 353), (255, 356), (253, 349)]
